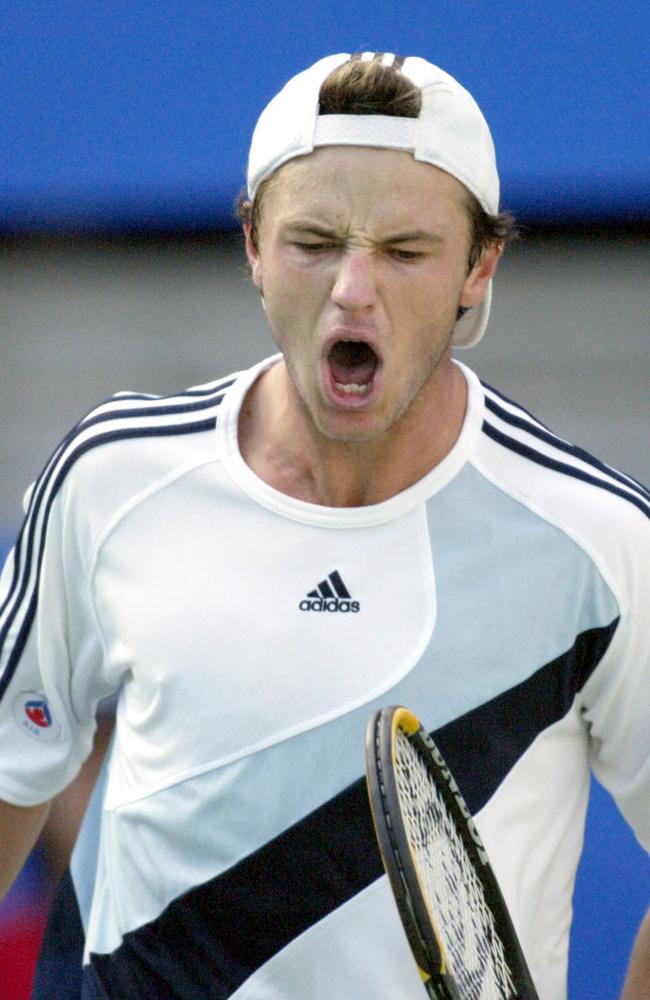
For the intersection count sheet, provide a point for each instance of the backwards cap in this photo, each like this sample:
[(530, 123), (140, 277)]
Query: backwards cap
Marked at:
[(450, 133)]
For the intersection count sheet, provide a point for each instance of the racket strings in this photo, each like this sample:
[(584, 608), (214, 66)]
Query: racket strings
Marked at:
[(453, 892)]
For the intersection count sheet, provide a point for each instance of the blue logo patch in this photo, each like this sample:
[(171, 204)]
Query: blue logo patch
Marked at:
[(34, 716), (38, 712)]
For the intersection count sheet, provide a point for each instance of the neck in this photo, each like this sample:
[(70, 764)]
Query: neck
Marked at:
[(281, 445)]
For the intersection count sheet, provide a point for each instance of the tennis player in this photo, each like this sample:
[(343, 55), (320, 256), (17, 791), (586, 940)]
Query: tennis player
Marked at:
[(256, 564)]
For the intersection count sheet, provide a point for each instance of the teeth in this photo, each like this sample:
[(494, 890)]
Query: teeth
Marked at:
[(352, 389)]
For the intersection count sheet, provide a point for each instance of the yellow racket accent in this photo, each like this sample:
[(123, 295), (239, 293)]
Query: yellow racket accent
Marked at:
[(409, 723)]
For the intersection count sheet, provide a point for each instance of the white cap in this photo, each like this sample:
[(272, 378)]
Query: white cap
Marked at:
[(450, 133)]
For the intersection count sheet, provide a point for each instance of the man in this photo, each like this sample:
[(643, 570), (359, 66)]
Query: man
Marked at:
[(260, 562)]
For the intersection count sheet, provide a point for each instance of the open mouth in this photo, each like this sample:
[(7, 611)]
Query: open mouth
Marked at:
[(352, 364)]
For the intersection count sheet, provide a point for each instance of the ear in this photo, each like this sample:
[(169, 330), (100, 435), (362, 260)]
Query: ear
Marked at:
[(253, 257), (480, 276)]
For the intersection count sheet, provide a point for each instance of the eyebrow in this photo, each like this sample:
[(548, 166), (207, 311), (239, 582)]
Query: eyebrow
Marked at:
[(410, 236), (413, 236), (312, 229)]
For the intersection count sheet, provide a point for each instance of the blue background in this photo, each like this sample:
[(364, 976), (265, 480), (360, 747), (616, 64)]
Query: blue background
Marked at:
[(133, 113)]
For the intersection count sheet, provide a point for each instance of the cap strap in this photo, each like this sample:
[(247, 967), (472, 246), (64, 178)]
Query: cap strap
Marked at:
[(380, 131)]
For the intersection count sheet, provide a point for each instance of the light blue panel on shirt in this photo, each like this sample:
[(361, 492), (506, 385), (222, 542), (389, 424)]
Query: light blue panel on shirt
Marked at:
[(513, 593)]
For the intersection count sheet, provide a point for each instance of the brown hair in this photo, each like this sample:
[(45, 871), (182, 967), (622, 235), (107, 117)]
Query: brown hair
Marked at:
[(369, 88)]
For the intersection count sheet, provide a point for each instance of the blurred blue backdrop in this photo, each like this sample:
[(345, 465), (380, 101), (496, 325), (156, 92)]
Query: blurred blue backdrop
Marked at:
[(137, 114)]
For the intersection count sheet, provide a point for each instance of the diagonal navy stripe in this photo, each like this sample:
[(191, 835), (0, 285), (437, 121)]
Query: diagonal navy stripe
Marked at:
[(499, 732), (568, 470), (325, 589), (543, 434), (211, 939)]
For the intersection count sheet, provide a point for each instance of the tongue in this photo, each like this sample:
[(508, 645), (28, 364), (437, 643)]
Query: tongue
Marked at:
[(349, 374), (352, 363)]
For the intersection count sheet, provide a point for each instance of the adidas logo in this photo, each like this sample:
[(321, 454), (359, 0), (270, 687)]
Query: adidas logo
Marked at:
[(331, 594)]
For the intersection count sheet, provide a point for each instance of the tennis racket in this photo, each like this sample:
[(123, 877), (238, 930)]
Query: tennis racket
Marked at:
[(448, 898)]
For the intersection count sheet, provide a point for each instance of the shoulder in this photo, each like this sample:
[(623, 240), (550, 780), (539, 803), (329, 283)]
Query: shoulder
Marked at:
[(129, 416), (530, 454), (119, 434), (120, 448), (602, 509)]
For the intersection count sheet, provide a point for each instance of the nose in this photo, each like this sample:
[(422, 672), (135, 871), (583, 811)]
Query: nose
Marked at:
[(354, 287)]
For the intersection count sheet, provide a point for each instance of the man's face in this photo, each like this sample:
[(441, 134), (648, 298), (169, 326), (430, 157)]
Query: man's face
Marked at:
[(362, 260)]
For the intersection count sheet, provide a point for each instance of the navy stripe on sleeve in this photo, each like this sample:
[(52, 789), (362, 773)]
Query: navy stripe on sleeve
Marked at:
[(157, 416), (525, 422), (632, 495)]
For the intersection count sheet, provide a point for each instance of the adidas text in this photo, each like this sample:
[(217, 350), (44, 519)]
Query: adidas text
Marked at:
[(329, 604)]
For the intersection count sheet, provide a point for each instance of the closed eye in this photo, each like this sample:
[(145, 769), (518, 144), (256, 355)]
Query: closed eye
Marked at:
[(314, 247), (398, 254)]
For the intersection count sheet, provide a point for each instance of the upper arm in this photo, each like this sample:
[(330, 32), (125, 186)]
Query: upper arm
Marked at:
[(637, 983), (51, 653), (20, 827), (615, 701)]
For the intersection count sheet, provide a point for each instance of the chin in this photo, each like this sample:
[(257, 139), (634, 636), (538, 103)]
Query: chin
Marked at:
[(351, 431)]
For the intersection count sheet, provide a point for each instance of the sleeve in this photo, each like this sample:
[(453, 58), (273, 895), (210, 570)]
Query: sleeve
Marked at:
[(52, 666), (615, 702)]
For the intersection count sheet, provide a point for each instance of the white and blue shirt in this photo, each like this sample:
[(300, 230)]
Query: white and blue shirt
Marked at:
[(250, 635)]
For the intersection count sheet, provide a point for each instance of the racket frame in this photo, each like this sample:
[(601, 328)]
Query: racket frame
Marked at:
[(401, 867)]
